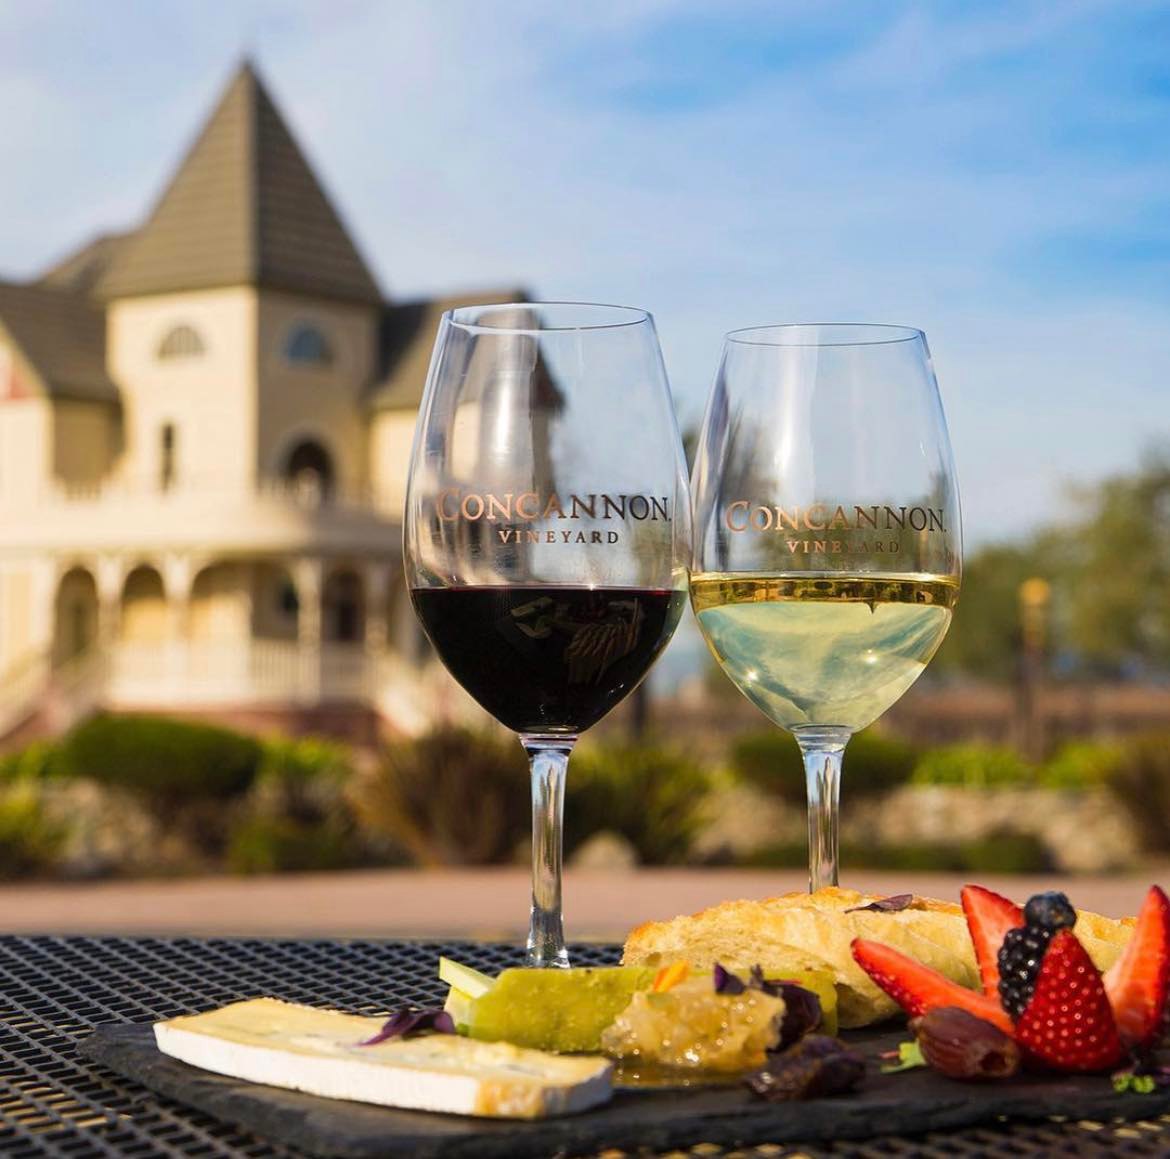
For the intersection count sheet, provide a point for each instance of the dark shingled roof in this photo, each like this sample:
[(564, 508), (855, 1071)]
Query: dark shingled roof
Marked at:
[(80, 271), (62, 334), (244, 208), (407, 337)]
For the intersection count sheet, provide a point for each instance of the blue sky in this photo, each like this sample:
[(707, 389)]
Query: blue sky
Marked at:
[(996, 173)]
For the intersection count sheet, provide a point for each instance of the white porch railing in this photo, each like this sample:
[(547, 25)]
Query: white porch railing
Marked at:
[(181, 674), (266, 672)]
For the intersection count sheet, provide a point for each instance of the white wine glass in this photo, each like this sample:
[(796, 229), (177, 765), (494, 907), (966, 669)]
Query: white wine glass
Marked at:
[(547, 533), (828, 548)]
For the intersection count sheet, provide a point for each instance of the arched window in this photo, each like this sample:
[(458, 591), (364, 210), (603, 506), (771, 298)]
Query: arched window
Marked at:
[(309, 469), (181, 342), (308, 346)]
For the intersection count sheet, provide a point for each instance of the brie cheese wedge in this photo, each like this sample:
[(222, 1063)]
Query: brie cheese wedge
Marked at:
[(303, 1048)]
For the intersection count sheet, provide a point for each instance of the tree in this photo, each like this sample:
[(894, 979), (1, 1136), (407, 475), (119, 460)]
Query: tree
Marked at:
[(1109, 569), (1115, 592)]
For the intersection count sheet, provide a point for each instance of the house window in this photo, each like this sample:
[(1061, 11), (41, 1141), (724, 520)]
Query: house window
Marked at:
[(181, 342), (166, 469), (308, 346), (309, 469)]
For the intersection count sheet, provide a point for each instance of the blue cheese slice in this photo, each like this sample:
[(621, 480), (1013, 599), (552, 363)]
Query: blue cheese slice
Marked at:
[(317, 1051)]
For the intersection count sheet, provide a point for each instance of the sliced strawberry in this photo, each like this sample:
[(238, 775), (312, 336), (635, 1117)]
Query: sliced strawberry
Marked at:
[(989, 917), (1138, 981), (1068, 1025), (918, 988)]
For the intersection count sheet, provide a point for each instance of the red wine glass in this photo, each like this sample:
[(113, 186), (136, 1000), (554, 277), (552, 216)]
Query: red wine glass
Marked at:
[(547, 533)]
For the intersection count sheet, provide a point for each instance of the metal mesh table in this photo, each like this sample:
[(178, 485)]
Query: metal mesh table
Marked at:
[(54, 990)]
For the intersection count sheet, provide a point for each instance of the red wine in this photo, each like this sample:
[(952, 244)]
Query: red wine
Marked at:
[(548, 659)]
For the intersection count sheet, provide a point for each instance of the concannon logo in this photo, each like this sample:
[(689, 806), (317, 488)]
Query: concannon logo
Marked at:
[(743, 515), (532, 507), (840, 530)]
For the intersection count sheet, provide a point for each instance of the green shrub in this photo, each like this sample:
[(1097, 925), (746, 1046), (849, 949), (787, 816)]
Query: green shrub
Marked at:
[(874, 764), (29, 841), (302, 778), (295, 816), (1141, 782), (40, 761), (995, 853), (1007, 852), (1081, 765), (974, 766), (189, 776), (651, 795), (166, 762), (283, 844), (771, 760), (450, 797)]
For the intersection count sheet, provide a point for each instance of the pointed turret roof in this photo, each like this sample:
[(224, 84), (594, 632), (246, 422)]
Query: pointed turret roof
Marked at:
[(244, 208)]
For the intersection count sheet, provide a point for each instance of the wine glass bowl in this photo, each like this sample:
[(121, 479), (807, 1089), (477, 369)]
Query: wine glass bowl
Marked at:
[(827, 554), (547, 532)]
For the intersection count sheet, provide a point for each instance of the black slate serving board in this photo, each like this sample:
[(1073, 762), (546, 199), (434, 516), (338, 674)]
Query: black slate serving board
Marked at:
[(909, 1102)]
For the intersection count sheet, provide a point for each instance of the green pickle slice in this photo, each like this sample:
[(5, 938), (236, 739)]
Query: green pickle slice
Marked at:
[(560, 1010), (463, 978)]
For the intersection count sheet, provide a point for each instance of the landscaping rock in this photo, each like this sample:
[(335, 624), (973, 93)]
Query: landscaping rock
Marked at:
[(607, 851)]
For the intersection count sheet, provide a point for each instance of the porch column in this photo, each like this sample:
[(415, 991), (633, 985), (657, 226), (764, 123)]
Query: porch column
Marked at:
[(308, 578), (178, 573), (377, 595), (46, 580), (111, 577)]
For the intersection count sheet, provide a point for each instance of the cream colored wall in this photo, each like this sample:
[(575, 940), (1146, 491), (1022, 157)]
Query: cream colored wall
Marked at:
[(210, 398), (16, 616), (391, 436), (25, 450), (85, 442), (298, 401)]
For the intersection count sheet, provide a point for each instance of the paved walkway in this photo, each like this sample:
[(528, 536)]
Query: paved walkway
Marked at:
[(483, 903)]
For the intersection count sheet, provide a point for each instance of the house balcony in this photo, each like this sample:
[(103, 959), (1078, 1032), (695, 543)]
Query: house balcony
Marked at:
[(209, 516)]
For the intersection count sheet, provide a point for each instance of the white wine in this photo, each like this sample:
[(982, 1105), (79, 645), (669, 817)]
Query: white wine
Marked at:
[(826, 650)]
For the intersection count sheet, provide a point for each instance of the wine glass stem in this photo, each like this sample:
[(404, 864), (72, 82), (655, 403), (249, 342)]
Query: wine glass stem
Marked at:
[(548, 759), (822, 750)]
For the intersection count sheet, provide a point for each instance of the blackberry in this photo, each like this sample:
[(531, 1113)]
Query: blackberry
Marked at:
[(1023, 948), (1019, 962), (1050, 911)]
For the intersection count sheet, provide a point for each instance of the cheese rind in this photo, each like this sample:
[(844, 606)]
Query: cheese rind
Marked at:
[(317, 1051)]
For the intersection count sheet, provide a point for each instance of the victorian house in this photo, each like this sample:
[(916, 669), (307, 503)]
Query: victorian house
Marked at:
[(205, 425)]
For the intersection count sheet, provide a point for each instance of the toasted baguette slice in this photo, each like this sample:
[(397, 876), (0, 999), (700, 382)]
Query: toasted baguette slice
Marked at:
[(801, 931)]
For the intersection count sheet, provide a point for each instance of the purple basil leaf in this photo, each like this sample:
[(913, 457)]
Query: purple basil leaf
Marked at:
[(726, 982), (886, 905), (404, 1023), (802, 1013)]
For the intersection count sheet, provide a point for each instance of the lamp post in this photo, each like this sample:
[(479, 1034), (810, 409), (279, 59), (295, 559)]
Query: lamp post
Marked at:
[(1034, 598)]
